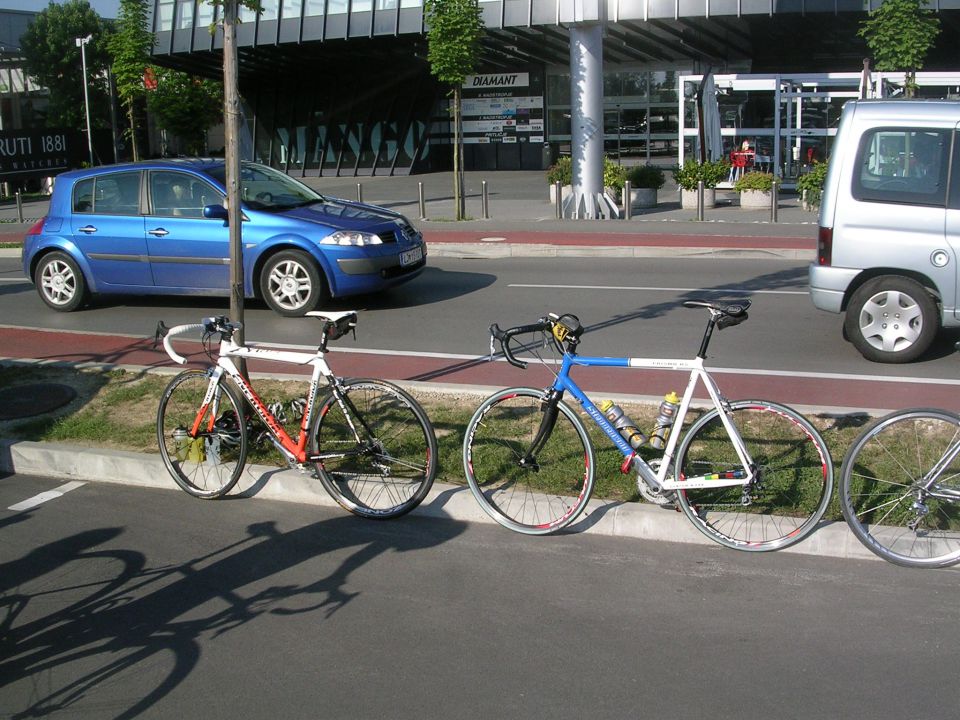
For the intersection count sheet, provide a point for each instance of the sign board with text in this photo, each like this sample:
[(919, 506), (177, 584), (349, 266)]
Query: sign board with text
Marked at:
[(38, 153), (499, 108)]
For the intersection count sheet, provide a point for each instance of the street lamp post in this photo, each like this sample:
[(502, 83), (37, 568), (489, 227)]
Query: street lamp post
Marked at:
[(82, 44)]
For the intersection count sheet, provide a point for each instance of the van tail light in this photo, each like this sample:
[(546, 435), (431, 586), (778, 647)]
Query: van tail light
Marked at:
[(824, 246), (37, 227)]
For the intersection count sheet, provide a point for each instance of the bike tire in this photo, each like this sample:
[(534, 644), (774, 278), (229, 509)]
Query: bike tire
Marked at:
[(390, 462), (792, 489), (532, 499), (882, 493), (209, 465)]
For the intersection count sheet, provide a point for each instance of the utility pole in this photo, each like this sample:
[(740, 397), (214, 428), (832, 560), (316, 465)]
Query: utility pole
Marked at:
[(231, 119)]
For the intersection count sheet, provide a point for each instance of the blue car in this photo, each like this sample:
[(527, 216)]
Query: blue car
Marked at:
[(160, 228)]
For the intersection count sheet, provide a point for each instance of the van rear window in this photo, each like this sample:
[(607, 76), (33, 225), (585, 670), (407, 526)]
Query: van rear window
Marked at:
[(903, 165)]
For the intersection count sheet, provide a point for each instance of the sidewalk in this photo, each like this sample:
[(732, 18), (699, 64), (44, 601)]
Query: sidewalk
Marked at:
[(523, 222)]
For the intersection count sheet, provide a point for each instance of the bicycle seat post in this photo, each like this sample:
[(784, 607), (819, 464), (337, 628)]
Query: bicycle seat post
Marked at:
[(707, 334)]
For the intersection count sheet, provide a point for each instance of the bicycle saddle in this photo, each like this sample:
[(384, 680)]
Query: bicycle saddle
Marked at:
[(735, 310)]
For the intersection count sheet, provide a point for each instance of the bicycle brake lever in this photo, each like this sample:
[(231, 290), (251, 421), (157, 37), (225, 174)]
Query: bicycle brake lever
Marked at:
[(162, 331)]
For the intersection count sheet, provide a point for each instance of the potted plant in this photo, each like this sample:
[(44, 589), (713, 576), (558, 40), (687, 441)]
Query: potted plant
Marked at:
[(645, 180), (712, 172), (754, 188), (562, 172), (810, 186)]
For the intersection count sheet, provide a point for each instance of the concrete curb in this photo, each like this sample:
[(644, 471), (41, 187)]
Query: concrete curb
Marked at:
[(452, 502), (493, 251)]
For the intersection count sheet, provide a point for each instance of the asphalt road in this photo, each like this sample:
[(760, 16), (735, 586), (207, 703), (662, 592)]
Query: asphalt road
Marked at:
[(630, 307), (241, 609)]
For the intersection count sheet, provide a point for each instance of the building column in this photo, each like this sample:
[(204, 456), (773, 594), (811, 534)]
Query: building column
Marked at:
[(586, 120)]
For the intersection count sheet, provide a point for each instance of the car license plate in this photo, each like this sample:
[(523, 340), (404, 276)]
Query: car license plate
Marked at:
[(411, 257)]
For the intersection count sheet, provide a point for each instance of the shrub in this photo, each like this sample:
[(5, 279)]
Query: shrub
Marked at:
[(614, 175), (562, 172), (712, 172), (646, 176), (762, 181), (811, 183)]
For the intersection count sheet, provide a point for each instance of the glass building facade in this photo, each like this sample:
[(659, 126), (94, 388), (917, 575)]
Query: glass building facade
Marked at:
[(343, 87)]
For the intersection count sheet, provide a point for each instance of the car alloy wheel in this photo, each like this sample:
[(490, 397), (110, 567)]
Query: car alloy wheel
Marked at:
[(60, 282), (291, 283)]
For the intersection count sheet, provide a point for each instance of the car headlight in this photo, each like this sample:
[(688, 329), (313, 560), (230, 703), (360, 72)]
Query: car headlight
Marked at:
[(351, 237)]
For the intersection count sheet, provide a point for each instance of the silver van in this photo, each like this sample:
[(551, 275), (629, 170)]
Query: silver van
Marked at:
[(889, 237)]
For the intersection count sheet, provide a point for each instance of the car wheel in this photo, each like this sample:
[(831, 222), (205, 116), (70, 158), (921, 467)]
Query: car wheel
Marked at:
[(291, 283), (60, 282), (891, 319)]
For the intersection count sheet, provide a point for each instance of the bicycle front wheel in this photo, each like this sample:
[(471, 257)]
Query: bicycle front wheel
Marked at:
[(900, 488), (535, 492), (203, 446), (792, 484), (379, 449)]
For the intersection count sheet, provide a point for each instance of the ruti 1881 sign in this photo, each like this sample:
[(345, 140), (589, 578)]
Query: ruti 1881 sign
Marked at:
[(33, 153)]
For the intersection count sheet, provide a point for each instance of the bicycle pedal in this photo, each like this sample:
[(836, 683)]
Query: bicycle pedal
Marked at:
[(305, 469)]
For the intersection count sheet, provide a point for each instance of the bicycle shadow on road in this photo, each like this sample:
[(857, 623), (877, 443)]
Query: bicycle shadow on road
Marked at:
[(123, 631)]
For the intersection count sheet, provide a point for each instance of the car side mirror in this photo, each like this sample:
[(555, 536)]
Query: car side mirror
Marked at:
[(215, 212)]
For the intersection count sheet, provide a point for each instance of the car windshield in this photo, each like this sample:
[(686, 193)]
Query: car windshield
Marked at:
[(263, 188)]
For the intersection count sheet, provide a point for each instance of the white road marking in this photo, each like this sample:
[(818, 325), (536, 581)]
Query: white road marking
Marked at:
[(43, 497), (651, 288)]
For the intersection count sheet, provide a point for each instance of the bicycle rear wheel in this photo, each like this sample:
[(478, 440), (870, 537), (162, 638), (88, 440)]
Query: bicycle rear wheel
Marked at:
[(382, 451), (206, 464), (791, 490), (539, 495), (900, 488)]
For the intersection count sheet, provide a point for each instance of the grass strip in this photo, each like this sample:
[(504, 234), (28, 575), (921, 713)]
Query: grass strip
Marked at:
[(117, 409)]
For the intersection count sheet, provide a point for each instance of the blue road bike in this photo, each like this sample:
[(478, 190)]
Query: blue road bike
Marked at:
[(751, 475)]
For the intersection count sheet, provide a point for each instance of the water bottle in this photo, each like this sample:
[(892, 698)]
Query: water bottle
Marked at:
[(665, 415), (181, 441), (627, 427)]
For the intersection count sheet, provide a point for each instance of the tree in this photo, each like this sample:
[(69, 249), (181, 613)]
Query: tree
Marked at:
[(52, 59), (899, 33), (130, 47), (454, 34), (186, 106)]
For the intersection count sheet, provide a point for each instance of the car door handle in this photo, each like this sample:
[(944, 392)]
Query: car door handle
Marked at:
[(87, 229), (159, 232)]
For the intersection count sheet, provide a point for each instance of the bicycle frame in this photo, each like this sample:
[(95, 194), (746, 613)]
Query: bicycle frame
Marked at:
[(294, 451), (698, 373)]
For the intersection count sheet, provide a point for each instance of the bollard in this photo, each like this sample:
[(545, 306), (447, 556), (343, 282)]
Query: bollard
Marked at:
[(423, 204), (558, 194), (359, 193), (700, 200), (485, 201), (774, 202), (627, 205), (19, 207)]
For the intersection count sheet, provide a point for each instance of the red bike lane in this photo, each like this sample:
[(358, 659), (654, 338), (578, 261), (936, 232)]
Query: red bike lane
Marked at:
[(818, 390)]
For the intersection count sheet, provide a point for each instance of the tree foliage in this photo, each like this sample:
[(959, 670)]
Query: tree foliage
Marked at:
[(130, 47), (900, 33), (186, 106), (52, 59), (455, 28)]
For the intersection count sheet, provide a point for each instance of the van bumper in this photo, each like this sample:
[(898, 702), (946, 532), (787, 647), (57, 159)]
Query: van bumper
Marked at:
[(828, 286)]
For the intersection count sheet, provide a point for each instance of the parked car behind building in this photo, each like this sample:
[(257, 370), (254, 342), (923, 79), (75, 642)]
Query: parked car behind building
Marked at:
[(160, 228), (889, 233)]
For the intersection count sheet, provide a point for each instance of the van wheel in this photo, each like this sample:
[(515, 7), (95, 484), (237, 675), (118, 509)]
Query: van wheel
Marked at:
[(291, 283), (891, 319)]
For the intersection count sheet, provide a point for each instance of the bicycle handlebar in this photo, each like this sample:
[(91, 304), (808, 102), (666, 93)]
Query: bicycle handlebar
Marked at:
[(505, 336), (209, 326)]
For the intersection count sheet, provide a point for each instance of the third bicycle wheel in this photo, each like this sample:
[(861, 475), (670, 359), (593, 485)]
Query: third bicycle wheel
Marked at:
[(900, 488), (536, 497), (790, 493)]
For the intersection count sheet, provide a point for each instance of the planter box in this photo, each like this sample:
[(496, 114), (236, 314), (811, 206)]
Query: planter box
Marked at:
[(688, 198), (643, 197), (755, 200), (565, 192)]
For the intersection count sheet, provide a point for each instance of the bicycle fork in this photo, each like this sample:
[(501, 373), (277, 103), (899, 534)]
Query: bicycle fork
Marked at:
[(550, 409)]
